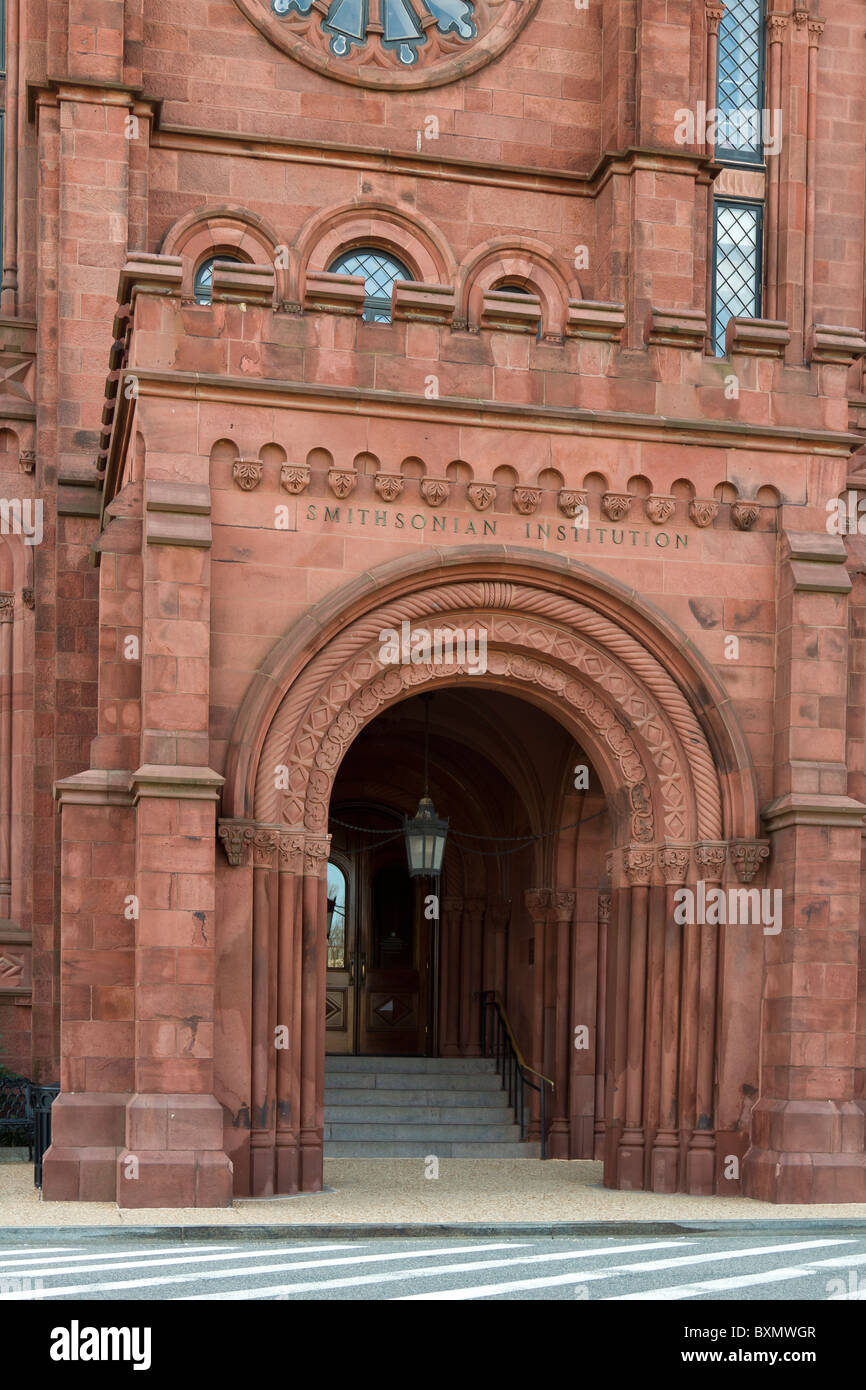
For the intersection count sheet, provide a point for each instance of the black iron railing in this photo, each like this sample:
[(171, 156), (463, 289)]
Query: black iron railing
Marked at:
[(41, 1100), (16, 1119), (498, 1041)]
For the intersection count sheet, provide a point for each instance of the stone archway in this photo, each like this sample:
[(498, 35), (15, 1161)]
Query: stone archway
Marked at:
[(615, 674)]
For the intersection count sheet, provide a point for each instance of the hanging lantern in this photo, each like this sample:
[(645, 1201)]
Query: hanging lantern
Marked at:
[(425, 834)]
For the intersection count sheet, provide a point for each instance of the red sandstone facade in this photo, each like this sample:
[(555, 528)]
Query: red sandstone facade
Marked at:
[(239, 496)]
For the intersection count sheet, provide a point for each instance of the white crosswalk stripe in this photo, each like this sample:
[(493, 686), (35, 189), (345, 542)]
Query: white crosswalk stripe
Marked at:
[(46, 1250), (436, 1271), (201, 1252), (736, 1281), (67, 1290), (131, 1260)]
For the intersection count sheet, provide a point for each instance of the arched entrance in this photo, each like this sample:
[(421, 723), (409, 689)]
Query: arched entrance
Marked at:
[(617, 682)]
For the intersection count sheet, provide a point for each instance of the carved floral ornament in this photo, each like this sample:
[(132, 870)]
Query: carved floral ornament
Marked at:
[(295, 477), (391, 43), (640, 864), (389, 486), (247, 473), (272, 847)]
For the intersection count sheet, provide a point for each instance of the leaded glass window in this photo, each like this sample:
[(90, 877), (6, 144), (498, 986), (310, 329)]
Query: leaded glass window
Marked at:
[(203, 284), (379, 270), (740, 87), (736, 266)]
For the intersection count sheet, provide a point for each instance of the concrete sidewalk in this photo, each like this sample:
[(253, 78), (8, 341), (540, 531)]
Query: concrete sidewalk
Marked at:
[(386, 1191)]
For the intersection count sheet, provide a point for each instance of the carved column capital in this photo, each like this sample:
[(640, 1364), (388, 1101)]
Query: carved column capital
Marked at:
[(673, 860), (715, 15), (776, 26), (316, 854), (7, 608), (562, 906), (537, 903), (605, 901), (816, 29), (265, 844), (236, 838), (291, 849), (747, 856), (710, 859), (638, 864)]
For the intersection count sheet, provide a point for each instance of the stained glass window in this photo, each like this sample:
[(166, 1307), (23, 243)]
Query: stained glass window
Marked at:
[(401, 24), (379, 270), (203, 284), (736, 266), (740, 88)]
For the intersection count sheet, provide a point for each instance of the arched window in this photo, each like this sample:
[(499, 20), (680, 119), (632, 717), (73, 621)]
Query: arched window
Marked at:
[(380, 269), (336, 917), (203, 283), (520, 289)]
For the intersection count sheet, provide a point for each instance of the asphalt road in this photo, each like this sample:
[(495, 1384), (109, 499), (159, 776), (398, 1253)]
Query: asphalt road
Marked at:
[(696, 1266)]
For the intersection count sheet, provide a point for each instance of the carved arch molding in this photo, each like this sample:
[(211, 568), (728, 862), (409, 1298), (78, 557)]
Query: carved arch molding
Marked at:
[(601, 682)]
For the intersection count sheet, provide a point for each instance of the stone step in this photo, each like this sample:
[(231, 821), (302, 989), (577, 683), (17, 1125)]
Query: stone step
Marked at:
[(424, 1134), (358, 1148), (409, 1099), (431, 1065), (417, 1115), (409, 1081)]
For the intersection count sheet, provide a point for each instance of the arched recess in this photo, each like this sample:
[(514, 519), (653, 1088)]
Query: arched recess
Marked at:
[(227, 230), (414, 240), (680, 791), (524, 261)]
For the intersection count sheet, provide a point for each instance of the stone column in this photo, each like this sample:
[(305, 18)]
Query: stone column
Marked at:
[(776, 27), (538, 906), (558, 1007), (174, 1124), (470, 983), (638, 864), (7, 612), (290, 971), (604, 909), (664, 1164), (700, 1172), (314, 967), (808, 1141)]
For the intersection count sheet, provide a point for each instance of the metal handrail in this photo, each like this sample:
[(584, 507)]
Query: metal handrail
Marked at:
[(499, 1042)]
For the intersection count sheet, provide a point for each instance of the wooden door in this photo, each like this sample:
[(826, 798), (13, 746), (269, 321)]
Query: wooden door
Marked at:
[(340, 989), (394, 963)]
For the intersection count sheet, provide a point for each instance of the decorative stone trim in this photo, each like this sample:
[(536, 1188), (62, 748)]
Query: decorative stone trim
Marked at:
[(570, 501), (588, 318), (526, 499), (295, 477), (660, 507), (832, 344), (638, 862), (422, 303), (16, 960), (678, 328), (817, 562), (247, 473), (435, 491), (27, 461), (144, 273), (334, 294), (673, 861), (342, 481), (744, 515), (28, 598), (389, 486), (242, 284), (176, 780), (562, 906), (605, 901), (710, 859), (616, 505), (177, 514), (747, 856), (510, 312), (481, 495), (813, 808), (703, 510), (757, 337), (235, 838), (7, 608), (95, 787), (715, 14), (316, 854)]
